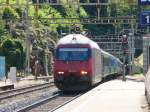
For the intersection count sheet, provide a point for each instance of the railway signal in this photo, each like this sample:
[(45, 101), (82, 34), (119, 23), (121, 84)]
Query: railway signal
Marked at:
[(125, 44), (125, 50), (77, 29)]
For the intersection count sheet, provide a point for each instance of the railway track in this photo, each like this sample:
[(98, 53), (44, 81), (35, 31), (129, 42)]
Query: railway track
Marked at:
[(34, 99), (24, 90), (49, 104), (16, 100), (52, 103)]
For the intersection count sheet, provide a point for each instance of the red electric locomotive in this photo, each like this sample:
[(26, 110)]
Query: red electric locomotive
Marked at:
[(78, 63)]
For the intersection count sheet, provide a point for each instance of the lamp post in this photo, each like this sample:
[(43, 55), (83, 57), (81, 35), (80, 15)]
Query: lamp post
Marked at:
[(130, 52), (124, 45), (27, 40), (46, 51)]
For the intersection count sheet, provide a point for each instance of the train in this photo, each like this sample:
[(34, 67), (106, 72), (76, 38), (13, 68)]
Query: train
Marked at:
[(79, 63)]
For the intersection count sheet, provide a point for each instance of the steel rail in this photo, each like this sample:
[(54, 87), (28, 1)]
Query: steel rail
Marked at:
[(23, 88), (35, 104), (22, 91), (65, 103)]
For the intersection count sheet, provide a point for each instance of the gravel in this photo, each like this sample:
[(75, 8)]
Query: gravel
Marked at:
[(24, 100)]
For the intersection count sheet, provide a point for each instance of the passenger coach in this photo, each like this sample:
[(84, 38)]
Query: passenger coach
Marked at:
[(79, 63)]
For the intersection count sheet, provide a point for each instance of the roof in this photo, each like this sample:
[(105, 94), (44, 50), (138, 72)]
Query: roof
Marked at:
[(77, 39)]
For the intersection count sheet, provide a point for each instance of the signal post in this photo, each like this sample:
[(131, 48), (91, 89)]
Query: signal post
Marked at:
[(125, 50)]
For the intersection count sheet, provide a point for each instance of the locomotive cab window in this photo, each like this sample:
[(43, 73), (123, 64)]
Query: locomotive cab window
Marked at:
[(80, 54)]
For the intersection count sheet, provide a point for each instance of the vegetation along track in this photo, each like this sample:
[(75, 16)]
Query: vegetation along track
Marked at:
[(24, 90), (50, 103)]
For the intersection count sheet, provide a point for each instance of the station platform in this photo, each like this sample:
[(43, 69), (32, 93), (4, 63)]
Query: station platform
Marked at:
[(23, 82), (111, 96), (6, 85)]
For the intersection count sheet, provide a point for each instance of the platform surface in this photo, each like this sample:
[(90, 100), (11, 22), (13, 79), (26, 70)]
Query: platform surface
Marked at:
[(112, 96), (5, 83), (24, 82)]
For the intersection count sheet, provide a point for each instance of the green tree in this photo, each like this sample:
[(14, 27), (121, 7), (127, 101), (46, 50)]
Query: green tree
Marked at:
[(9, 14), (13, 51)]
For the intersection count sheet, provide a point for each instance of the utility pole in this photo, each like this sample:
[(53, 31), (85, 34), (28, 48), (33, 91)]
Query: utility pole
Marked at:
[(98, 10), (147, 30), (124, 68), (17, 2), (46, 57), (124, 46), (37, 8), (132, 50), (27, 40), (7, 2)]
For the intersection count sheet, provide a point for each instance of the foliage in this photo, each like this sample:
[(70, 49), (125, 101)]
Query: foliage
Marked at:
[(83, 13), (117, 8), (9, 13), (42, 30), (13, 51), (2, 31), (19, 11), (31, 11)]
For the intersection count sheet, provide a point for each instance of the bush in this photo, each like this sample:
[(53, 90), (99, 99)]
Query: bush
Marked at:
[(9, 13), (13, 51)]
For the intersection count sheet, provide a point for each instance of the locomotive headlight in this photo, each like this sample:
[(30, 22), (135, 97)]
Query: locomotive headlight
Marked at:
[(83, 72), (61, 73)]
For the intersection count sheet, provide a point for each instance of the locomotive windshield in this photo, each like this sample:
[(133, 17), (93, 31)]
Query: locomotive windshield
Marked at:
[(80, 54)]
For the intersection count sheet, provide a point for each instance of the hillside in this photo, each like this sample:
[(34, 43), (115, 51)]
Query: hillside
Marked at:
[(18, 35)]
